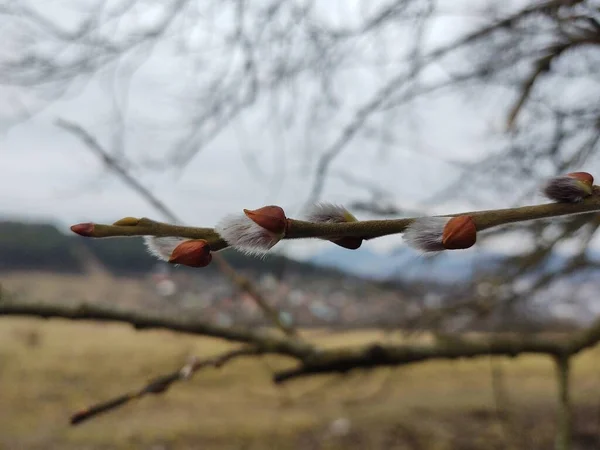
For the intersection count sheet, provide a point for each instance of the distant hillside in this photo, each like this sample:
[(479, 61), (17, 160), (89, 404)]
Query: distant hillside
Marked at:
[(35, 246)]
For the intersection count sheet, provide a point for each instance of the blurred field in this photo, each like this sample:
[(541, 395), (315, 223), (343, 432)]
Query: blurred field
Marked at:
[(49, 369)]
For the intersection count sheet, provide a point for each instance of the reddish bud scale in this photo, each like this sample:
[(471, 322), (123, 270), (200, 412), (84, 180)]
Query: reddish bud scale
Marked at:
[(584, 177), (192, 253), (570, 188), (272, 218), (459, 233), (83, 229)]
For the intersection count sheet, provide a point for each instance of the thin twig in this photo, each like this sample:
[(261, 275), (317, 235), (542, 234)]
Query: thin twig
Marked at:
[(563, 430), (160, 384)]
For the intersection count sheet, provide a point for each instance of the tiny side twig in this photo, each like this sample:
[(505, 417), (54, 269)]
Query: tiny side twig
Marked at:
[(160, 384)]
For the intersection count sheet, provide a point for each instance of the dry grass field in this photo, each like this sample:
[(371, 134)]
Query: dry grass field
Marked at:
[(49, 369)]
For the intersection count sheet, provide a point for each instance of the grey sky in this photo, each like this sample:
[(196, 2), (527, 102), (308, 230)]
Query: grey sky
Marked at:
[(47, 174)]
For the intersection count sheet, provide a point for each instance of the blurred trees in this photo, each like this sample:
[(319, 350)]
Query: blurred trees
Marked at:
[(293, 66)]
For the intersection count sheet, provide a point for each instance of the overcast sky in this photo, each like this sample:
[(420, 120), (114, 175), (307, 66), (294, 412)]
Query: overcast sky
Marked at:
[(47, 174)]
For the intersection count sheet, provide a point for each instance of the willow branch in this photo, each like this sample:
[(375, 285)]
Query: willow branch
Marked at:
[(367, 229)]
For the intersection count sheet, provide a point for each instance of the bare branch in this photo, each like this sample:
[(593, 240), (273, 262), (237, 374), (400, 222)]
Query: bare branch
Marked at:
[(160, 384)]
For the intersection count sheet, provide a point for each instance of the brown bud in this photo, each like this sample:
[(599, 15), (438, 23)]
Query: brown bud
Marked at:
[(83, 229), (192, 253), (585, 179), (127, 222), (271, 218), (349, 242), (459, 233)]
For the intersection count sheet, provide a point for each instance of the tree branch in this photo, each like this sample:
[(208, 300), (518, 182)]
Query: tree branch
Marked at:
[(267, 342), (343, 360), (160, 384), (367, 229)]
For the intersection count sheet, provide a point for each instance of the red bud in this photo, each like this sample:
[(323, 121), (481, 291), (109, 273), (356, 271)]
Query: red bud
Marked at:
[(584, 177), (271, 218), (459, 233), (83, 229), (192, 253)]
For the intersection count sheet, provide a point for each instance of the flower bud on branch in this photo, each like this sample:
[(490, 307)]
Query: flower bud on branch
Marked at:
[(570, 188), (192, 253), (434, 234), (162, 247), (256, 231), (330, 213)]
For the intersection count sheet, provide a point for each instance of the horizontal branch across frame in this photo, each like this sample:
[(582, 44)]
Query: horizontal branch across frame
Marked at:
[(366, 229), (313, 360)]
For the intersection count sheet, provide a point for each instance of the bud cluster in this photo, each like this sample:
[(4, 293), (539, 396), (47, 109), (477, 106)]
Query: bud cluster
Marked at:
[(257, 231)]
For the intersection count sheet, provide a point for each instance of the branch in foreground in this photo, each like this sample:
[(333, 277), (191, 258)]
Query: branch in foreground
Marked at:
[(316, 360), (312, 360), (343, 360), (367, 229), (267, 342), (162, 383)]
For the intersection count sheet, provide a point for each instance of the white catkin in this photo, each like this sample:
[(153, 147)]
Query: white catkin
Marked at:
[(325, 212), (564, 190), (243, 234), (162, 247), (425, 234)]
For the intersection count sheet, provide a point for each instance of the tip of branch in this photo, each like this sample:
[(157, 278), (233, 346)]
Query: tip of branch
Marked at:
[(79, 417), (83, 229)]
